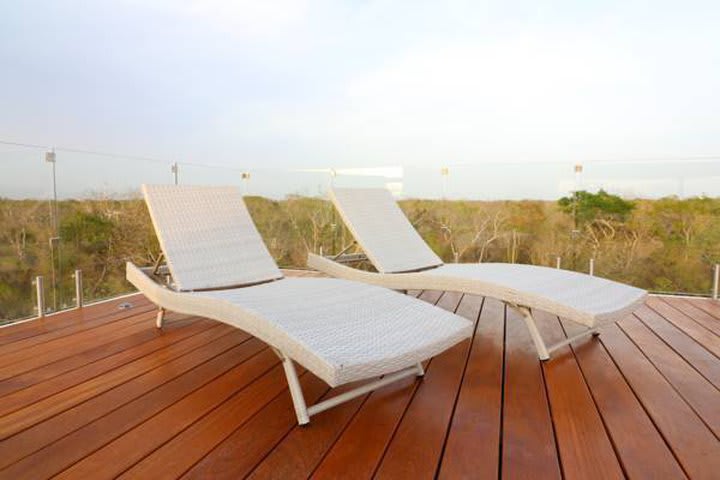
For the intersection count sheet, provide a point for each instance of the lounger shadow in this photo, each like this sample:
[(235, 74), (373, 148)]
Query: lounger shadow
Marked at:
[(341, 331), (404, 261)]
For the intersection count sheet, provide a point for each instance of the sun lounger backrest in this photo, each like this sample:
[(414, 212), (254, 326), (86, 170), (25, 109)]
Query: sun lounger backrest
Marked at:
[(382, 230), (208, 237)]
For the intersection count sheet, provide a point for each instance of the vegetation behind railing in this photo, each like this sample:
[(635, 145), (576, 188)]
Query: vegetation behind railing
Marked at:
[(666, 245)]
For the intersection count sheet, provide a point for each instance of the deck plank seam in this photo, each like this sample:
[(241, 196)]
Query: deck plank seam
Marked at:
[(503, 374), (645, 408), (703, 306), (99, 418), (142, 372), (669, 382), (73, 314), (23, 352), (476, 323), (191, 321), (683, 330), (74, 385), (416, 387), (675, 307), (119, 406), (116, 437), (613, 443), (89, 348), (199, 419), (649, 327), (342, 430), (549, 407), (262, 458), (100, 321)]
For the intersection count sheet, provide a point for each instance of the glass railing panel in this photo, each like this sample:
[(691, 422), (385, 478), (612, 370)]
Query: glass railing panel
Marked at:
[(103, 221), (666, 238), (26, 232)]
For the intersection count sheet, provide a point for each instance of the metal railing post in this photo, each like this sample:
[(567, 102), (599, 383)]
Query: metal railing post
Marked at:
[(591, 270), (78, 288), (558, 261), (716, 281), (40, 294)]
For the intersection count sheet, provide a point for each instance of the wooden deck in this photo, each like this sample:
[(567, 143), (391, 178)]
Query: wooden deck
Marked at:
[(100, 393)]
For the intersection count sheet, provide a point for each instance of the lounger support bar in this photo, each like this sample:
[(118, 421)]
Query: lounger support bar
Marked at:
[(303, 412), (543, 350), (160, 317)]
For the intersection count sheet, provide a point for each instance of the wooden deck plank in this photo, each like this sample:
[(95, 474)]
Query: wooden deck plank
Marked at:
[(377, 419), (237, 456), (137, 335), (362, 444), (40, 391), (19, 446), (709, 305), (33, 413), (640, 447), (71, 448), (201, 399), (125, 451), (585, 449), (529, 448), (478, 413), (297, 455), (693, 329), (270, 428), (38, 326), (698, 314), (80, 325), (292, 458), (42, 354), (700, 358), (178, 455), (417, 445), (694, 445), (700, 394)]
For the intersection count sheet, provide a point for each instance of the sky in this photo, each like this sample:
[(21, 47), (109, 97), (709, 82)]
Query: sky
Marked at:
[(480, 86)]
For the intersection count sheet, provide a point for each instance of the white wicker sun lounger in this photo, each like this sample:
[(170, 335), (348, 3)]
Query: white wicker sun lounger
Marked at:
[(341, 331), (404, 261)]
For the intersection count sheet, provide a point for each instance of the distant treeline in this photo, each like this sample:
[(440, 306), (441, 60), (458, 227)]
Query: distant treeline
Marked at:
[(668, 244)]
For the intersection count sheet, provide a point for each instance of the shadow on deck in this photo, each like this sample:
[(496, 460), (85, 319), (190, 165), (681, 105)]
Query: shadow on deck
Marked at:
[(100, 393)]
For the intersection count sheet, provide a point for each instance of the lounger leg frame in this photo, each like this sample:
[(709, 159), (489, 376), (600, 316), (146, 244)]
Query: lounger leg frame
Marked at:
[(160, 317), (303, 412), (544, 351)]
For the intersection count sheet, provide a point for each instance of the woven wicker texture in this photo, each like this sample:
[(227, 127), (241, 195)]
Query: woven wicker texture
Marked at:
[(344, 331), (583, 298), (382, 230), (575, 296), (341, 331), (208, 237)]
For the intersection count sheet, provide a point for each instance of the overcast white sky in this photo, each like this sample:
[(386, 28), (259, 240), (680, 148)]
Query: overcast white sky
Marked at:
[(363, 83)]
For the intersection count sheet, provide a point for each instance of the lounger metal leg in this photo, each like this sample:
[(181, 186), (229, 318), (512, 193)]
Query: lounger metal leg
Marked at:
[(568, 341), (160, 317), (542, 351), (363, 389), (303, 412)]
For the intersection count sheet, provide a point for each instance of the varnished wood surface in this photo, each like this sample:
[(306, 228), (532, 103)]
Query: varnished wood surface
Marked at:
[(101, 393)]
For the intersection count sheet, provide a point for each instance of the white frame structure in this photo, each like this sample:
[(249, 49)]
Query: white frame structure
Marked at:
[(168, 299), (405, 262), (543, 350), (342, 332)]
